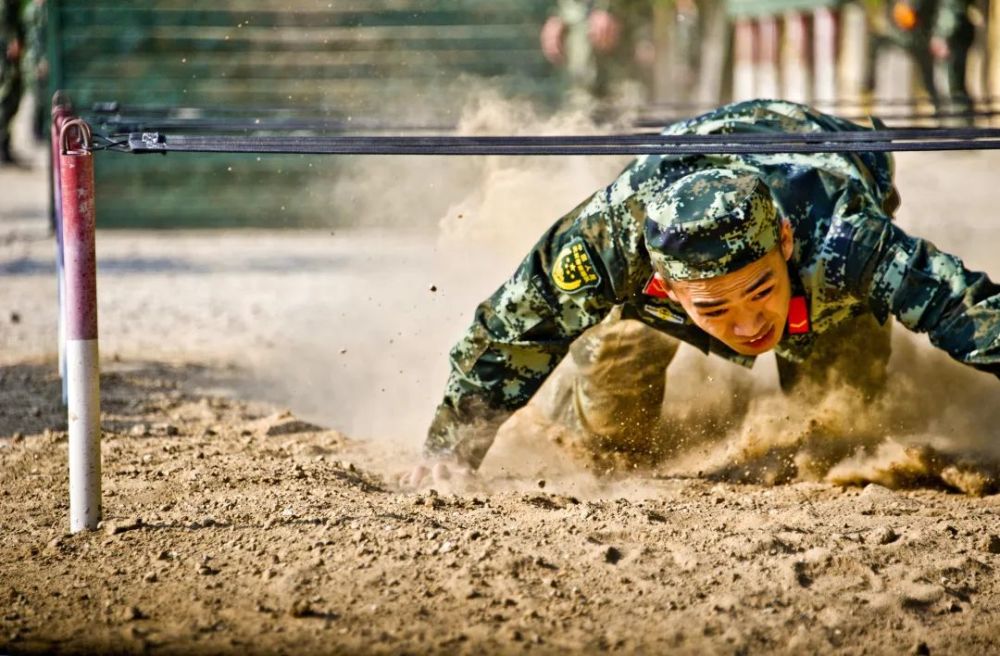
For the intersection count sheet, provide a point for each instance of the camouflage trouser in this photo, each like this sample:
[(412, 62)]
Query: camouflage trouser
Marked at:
[(613, 390), (10, 98), (945, 81)]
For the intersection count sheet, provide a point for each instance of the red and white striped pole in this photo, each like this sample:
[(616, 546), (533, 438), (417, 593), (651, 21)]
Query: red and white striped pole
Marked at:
[(744, 56), (76, 172), (766, 52), (824, 57), (795, 58), (62, 111)]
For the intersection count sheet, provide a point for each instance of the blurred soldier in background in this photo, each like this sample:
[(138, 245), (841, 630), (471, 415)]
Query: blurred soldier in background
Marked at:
[(36, 66), (938, 35), (605, 47), (11, 46)]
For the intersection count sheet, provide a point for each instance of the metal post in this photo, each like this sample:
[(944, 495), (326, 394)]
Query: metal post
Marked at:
[(76, 163), (62, 111)]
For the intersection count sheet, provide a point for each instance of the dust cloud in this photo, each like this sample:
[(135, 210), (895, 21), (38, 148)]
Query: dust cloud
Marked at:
[(933, 426), (368, 355)]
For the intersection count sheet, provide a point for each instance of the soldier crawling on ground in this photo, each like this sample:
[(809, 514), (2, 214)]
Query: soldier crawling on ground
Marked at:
[(736, 255)]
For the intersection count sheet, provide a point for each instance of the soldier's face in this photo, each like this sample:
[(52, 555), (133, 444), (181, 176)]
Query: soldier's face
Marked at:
[(745, 309)]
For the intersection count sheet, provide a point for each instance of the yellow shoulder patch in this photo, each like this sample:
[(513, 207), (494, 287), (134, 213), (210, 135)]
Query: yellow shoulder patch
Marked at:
[(574, 269)]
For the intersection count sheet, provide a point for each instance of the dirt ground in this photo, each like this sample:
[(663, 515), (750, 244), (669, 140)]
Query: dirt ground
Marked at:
[(260, 390)]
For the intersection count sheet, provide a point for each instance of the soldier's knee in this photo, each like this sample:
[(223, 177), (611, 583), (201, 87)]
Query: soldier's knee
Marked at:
[(617, 347), (620, 380), (855, 354)]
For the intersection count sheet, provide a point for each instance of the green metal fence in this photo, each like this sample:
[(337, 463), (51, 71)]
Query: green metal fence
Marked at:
[(395, 61)]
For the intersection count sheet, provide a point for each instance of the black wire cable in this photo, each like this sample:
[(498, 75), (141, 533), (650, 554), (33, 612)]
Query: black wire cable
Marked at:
[(649, 121), (837, 103), (115, 118), (909, 139), (125, 124)]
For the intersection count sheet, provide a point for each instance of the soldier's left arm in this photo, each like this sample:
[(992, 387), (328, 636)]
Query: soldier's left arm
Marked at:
[(582, 266), (927, 290)]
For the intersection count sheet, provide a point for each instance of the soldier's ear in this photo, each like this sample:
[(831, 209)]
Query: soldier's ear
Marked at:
[(787, 239)]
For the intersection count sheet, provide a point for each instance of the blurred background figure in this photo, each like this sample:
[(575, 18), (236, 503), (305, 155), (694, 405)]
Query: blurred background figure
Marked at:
[(605, 48), (11, 84), (937, 35), (36, 66)]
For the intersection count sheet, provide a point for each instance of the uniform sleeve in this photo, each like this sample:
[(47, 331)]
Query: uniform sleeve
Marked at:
[(581, 268), (927, 290)]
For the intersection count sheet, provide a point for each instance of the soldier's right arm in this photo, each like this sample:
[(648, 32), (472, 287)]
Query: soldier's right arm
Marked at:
[(927, 290), (589, 261)]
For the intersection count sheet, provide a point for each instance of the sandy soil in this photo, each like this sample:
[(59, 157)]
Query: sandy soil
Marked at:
[(240, 517), (232, 530)]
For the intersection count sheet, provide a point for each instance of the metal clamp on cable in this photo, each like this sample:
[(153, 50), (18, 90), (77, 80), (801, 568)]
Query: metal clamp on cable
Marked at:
[(147, 142), (107, 107)]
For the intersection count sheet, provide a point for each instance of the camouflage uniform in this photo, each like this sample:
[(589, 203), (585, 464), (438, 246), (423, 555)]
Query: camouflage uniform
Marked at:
[(11, 30), (850, 264), (591, 73), (911, 26), (36, 65)]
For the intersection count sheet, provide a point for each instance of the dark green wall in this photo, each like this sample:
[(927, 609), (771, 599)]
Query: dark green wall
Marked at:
[(397, 61)]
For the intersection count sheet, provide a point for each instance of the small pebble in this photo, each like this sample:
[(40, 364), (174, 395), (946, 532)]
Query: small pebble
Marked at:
[(131, 613), (612, 555), (884, 535)]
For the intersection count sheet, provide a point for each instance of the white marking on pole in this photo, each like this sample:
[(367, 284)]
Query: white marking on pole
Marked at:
[(61, 288), (83, 376)]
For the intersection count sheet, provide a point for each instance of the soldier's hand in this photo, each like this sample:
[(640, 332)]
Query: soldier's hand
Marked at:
[(14, 51), (604, 31), (445, 475), (553, 34), (939, 48)]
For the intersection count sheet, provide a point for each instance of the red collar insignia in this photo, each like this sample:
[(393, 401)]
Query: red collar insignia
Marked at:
[(798, 316), (656, 287)]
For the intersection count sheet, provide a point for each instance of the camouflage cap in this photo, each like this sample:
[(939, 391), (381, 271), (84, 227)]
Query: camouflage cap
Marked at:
[(711, 223)]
